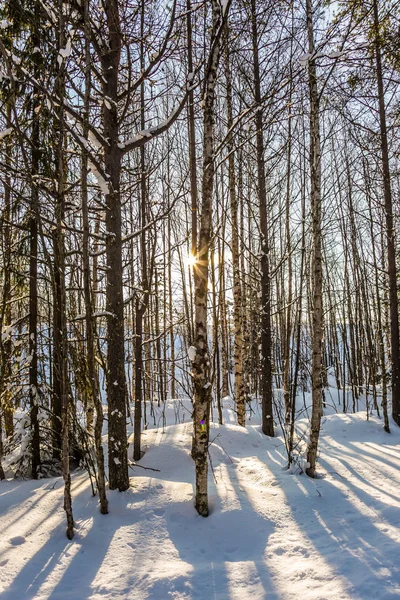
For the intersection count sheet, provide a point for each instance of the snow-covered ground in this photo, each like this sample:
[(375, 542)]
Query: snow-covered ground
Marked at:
[(271, 533)]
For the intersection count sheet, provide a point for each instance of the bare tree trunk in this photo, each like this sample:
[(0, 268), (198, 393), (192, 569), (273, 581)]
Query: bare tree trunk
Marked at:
[(5, 316), (61, 366), (288, 323), (171, 313), (201, 363), (141, 304), (237, 288), (266, 334), (192, 134), (116, 385), (33, 278), (379, 333), (317, 309), (299, 321), (2, 474), (94, 399), (390, 231)]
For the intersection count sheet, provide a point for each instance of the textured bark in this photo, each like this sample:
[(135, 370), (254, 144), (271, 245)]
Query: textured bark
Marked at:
[(201, 364), (266, 334), (379, 333), (299, 322), (116, 388), (390, 230), (171, 314), (141, 304), (315, 200), (61, 367), (94, 399), (2, 474), (237, 288), (192, 134), (224, 351), (57, 352), (33, 292), (216, 371), (5, 314), (138, 382), (288, 321)]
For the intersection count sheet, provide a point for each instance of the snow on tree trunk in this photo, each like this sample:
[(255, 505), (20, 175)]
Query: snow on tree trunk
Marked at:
[(201, 363), (116, 388)]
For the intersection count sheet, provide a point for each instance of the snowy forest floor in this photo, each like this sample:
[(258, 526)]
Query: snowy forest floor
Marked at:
[(271, 534)]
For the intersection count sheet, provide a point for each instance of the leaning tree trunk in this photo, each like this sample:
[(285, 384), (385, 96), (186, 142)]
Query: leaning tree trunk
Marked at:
[(315, 199), (201, 363)]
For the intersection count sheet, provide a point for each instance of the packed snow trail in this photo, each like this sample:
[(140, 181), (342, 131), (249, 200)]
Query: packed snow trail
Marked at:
[(271, 534)]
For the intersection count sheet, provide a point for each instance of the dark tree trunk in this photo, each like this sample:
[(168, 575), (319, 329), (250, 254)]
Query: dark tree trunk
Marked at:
[(390, 230), (33, 268), (116, 387), (94, 399), (266, 334)]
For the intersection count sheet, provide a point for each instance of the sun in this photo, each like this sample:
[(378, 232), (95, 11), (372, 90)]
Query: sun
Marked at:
[(191, 260)]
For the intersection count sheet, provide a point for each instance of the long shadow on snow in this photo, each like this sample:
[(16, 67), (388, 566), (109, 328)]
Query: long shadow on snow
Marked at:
[(225, 537), (365, 558), (35, 572), (30, 487), (340, 454)]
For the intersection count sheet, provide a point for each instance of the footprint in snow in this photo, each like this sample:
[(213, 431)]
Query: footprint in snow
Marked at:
[(18, 540), (159, 512)]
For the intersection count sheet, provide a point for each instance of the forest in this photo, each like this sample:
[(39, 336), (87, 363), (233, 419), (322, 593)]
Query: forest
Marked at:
[(199, 276)]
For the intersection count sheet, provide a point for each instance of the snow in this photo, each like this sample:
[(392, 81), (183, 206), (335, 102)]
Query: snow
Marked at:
[(5, 132), (192, 353), (271, 533), (102, 183), (303, 60), (66, 52)]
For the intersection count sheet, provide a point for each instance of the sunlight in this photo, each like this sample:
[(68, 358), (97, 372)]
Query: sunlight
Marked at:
[(240, 574), (264, 492), (226, 490), (191, 260)]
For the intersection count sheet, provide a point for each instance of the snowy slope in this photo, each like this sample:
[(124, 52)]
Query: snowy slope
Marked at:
[(271, 533)]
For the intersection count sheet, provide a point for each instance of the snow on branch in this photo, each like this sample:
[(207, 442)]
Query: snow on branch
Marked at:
[(5, 133), (144, 136)]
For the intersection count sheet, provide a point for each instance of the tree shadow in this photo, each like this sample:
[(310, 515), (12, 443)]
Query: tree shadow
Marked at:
[(222, 549), (349, 538), (37, 569)]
